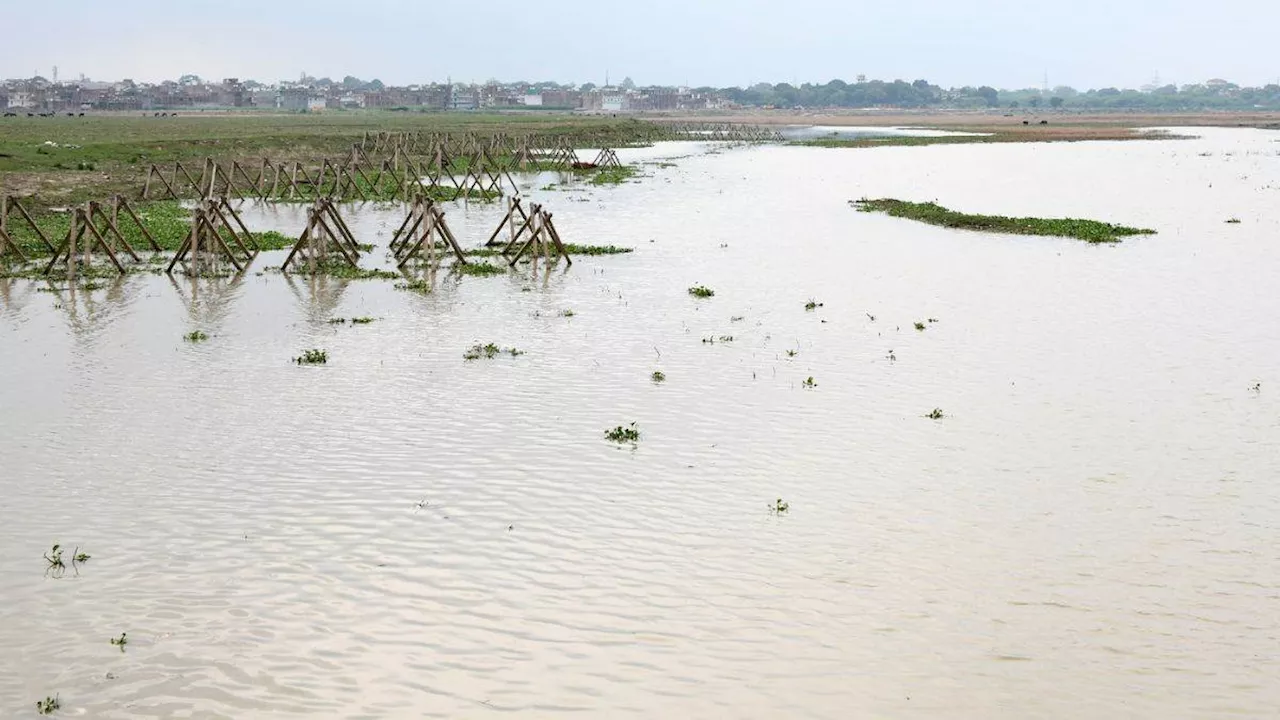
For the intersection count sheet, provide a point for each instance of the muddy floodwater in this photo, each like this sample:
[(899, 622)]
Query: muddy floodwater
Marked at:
[(1092, 530)]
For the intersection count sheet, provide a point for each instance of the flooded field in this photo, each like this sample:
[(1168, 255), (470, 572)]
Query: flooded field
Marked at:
[(1089, 530)]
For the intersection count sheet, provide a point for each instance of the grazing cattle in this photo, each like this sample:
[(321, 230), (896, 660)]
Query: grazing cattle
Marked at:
[(1044, 122), (1026, 122)]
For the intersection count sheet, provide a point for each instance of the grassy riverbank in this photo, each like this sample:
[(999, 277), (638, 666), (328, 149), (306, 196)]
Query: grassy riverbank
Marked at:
[(1091, 231)]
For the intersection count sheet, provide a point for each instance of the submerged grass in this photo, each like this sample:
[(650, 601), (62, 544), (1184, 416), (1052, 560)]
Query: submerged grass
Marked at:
[(701, 291), (1090, 231), (195, 336)]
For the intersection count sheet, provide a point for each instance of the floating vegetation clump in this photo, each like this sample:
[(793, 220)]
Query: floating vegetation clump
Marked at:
[(49, 705), (1233, 221), (489, 351), (1090, 231), (312, 357), (792, 353), (778, 507), (713, 340), (623, 434), (812, 305), (420, 285), (121, 641), (480, 269), (596, 249), (809, 383), (658, 376), (701, 291), (363, 320), (341, 270), (566, 313), (195, 336), (920, 326), (615, 175), (935, 414), (79, 558)]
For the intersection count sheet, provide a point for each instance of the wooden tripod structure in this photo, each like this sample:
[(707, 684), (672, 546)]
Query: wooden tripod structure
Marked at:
[(77, 249), (607, 158), (422, 227), (8, 203), (542, 235), (325, 237), (206, 241)]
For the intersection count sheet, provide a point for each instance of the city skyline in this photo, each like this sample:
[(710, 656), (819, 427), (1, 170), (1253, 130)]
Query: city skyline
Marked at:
[(716, 44)]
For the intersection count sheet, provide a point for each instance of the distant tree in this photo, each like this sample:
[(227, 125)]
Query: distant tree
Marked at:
[(628, 84), (1013, 105), (352, 82), (861, 79), (189, 80), (1034, 101), (588, 87), (990, 95), (1055, 102), (376, 85), (324, 82)]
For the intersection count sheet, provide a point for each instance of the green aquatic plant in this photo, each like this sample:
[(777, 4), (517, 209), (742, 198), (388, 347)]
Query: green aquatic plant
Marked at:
[(623, 434), (701, 291), (1090, 231), (713, 340), (54, 558), (337, 321), (1233, 221), (920, 326), (489, 351), (49, 705), (658, 376), (596, 249), (479, 269), (566, 313), (121, 641), (809, 383), (792, 353), (416, 285), (79, 558), (195, 336), (778, 507), (363, 320), (935, 414), (812, 305), (312, 357), (737, 318)]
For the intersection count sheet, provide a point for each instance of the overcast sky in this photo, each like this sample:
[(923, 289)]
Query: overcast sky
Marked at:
[(1006, 43)]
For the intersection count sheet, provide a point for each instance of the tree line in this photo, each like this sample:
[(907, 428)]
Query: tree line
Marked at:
[(1215, 94)]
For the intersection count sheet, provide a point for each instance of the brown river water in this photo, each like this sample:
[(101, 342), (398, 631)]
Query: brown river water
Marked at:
[(1091, 531)]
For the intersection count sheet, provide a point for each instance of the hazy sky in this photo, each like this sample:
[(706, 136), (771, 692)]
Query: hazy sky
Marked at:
[(1007, 43)]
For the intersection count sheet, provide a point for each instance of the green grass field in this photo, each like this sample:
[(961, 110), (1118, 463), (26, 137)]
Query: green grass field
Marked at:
[(63, 160)]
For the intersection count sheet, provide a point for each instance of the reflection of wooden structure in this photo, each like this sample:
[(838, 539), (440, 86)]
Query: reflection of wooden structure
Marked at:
[(8, 204), (206, 241), (542, 235), (420, 231), (325, 237)]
